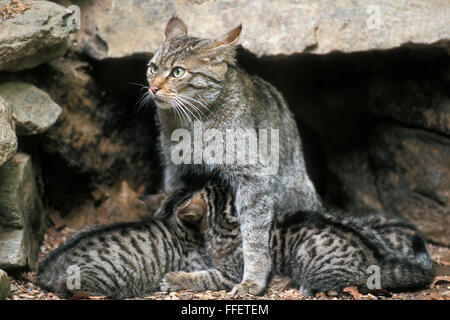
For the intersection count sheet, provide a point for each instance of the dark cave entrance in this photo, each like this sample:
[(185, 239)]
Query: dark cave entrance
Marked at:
[(361, 117)]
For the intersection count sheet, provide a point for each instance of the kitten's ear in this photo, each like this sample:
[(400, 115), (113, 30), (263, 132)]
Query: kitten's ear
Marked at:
[(175, 28), (153, 201), (194, 211)]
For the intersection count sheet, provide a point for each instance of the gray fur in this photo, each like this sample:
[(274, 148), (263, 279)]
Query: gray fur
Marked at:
[(231, 99), (124, 260), (319, 251)]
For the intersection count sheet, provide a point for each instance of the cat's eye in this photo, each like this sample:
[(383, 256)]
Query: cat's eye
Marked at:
[(178, 72), (153, 68)]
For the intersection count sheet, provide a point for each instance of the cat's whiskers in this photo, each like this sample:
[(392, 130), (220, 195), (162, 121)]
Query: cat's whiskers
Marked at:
[(197, 110), (175, 109), (179, 106), (186, 107), (202, 104), (182, 108), (143, 101), (140, 102), (140, 85)]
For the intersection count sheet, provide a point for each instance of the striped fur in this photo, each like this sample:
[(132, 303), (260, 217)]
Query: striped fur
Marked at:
[(319, 251), (125, 259), (220, 95)]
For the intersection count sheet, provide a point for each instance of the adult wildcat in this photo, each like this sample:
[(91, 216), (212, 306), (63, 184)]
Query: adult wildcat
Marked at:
[(319, 251), (198, 79)]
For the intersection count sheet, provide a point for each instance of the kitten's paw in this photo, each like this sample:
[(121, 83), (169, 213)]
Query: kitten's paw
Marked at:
[(307, 292), (248, 287), (173, 281)]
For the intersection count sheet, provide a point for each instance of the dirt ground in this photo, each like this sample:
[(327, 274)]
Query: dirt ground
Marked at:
[(23, 286)]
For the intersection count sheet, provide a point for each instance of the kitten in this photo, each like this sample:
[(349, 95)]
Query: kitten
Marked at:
[(198, 79), (125, 260), (319, 251)]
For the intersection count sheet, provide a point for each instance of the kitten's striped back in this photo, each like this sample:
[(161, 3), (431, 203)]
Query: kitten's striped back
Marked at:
[(320, 251), (122, 260)]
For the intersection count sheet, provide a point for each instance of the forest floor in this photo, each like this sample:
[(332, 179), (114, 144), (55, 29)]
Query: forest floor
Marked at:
[(23, 286)]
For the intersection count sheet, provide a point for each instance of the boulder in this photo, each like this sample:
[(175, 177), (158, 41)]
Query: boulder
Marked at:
[(35, 36), (15, 249), (356, 181), (103, 146), (115, 29), (402, 171), (97, 134), (33, 110), (413, 98), (8, 139), (79, 136), (412, 167), (5, 285), (22, 217)]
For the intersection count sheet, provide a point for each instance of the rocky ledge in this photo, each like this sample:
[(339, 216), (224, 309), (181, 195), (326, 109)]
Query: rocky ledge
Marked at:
[(117, 29)]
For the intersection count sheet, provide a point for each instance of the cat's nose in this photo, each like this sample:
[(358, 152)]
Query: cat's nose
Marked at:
[(154, 89)]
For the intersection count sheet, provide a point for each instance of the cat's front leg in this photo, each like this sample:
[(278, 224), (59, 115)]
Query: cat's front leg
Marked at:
[(255, 207), (198, 281)]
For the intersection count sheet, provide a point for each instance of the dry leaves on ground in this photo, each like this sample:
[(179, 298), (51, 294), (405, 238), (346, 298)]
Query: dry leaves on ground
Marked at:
[(440, 279), (13, 8), (354, 292), (280, 288)]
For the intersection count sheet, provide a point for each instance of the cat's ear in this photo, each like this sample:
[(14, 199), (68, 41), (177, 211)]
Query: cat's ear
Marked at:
[(194, 211), (175, 28), (229, 39), (153, 201), (222, 49)]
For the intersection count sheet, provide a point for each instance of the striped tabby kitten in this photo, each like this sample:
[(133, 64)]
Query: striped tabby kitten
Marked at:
[(319, 251), (126, 259), (197, 81)]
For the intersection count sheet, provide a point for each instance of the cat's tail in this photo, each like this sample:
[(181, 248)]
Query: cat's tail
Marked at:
[(400, 273)]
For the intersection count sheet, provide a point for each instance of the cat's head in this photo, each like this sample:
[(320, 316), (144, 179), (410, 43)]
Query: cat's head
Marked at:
[(187, 72), (209, 210)]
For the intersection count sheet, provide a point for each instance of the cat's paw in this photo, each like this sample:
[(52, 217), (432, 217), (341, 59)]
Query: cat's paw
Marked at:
[(305, 291), (173, 281), (248, 287)]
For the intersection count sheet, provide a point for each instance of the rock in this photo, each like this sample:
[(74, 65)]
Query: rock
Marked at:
[(35, 36), (411, 98), (412, 169), (402, 171), (79, 136), (8, 139), (22, 217), (357, 181), (96, 134), (119, 203), (33, 110), (100, 144), (15, 249), (5, 285), (114, 29)]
